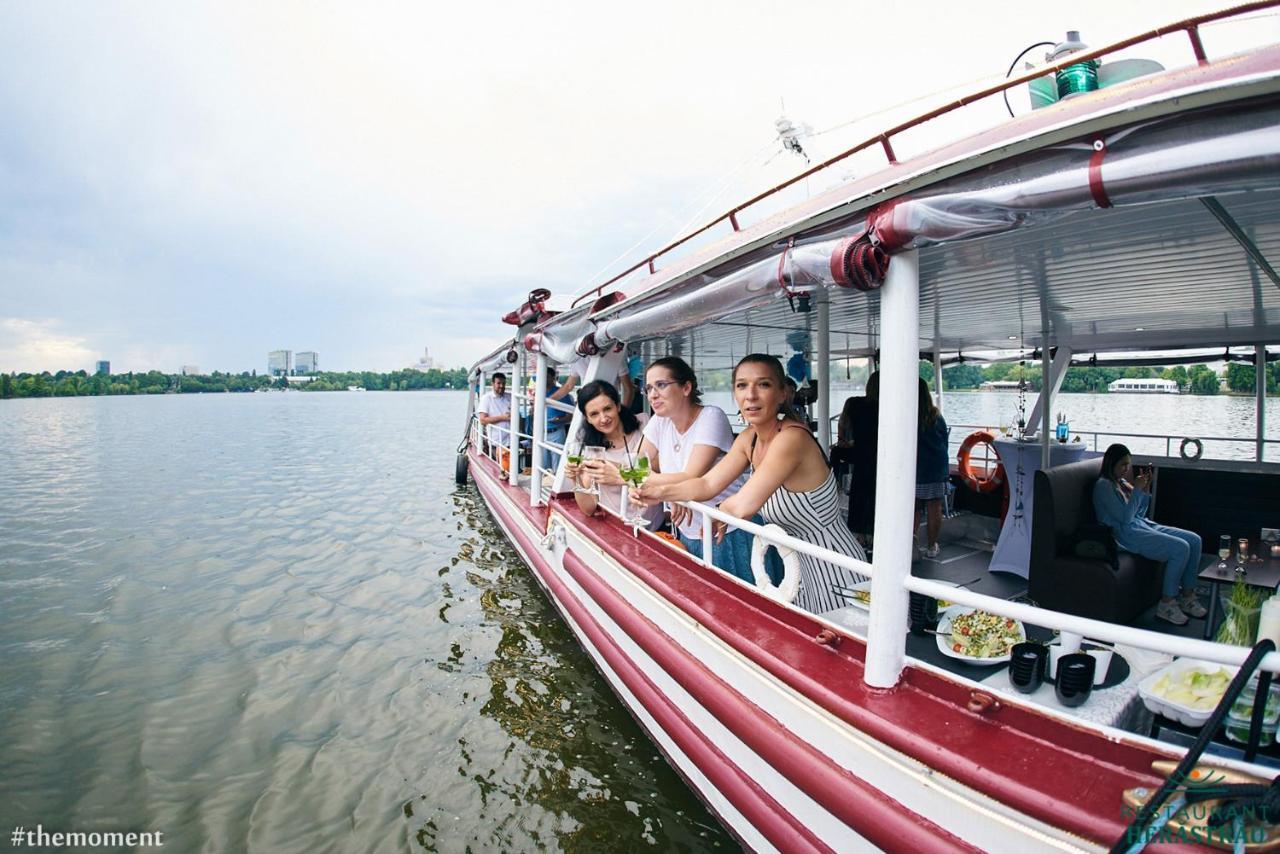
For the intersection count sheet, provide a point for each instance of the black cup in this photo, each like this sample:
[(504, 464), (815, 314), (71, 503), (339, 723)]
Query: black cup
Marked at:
[(1027, 664), (923, 613), (1075, 678)]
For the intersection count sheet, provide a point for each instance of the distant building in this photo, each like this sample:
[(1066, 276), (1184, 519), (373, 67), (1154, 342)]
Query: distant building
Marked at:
[(280, 363), (425, 363), (103, 367), (307, 363), (191, 370)]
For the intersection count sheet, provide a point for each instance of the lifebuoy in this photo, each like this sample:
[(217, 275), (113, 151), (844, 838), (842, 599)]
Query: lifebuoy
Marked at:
[(992, 479), (1196, 443), (790, 585)]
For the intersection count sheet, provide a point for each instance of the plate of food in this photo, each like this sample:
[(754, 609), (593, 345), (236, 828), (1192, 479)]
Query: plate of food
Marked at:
[(976, 636)]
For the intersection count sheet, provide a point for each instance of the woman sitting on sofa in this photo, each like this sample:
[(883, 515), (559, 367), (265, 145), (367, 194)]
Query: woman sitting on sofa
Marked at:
[(1122, 506)]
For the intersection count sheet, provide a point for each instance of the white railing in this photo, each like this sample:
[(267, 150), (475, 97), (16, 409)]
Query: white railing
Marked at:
[(1029, 614), (1170, 448)]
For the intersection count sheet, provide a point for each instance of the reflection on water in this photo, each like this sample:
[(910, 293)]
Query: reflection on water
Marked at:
[(272, 622)]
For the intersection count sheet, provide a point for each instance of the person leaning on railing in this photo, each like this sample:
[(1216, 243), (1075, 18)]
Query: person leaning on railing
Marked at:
[(612, 427), (790, 483), (1122, 506)]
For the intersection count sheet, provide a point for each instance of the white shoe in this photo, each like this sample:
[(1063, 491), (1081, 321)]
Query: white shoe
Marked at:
[(1171, 613), (932, 552), (1190, 605)]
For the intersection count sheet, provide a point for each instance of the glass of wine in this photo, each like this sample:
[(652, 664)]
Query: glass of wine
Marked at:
[(589, 453), (635, 475), (1224, 550)]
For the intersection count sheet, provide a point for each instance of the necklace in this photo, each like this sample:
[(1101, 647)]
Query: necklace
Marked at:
[(679, 434)]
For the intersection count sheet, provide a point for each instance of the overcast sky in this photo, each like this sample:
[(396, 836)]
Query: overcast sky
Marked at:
[(200, 183)]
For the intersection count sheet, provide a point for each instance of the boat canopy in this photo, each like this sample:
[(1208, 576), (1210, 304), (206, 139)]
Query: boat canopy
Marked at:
[(1141, 228)]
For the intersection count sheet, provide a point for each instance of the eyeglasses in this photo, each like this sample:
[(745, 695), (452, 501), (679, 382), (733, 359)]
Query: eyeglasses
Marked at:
[(660, 385)]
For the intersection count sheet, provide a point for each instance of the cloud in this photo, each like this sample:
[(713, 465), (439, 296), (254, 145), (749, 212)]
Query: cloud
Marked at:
[(37, 345)]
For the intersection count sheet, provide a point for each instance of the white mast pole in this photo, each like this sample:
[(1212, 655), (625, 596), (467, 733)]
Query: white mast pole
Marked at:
[(896, 469), (824, 370), (539, 429), (517, 389)]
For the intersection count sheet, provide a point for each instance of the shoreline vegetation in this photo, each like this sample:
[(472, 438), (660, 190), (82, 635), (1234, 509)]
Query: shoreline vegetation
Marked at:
[(83, 384), (1197, 379)]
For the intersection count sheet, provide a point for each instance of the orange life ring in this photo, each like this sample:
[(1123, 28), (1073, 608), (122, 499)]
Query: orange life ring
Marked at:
[(991, 479)]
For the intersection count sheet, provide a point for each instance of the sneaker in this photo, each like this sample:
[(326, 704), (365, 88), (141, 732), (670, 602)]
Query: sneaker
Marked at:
[(932, 552), (1171, 613), (1191, 606)]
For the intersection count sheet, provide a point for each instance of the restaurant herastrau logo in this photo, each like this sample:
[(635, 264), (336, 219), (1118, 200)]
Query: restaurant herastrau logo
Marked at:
[(1203, 809)]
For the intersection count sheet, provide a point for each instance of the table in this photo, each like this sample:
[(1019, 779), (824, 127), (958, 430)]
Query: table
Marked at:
[(1265, 574), (1119, 706), (1013, 548)]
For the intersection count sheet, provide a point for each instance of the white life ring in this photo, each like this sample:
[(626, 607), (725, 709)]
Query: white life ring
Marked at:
[(1195, 443), (790, 585)]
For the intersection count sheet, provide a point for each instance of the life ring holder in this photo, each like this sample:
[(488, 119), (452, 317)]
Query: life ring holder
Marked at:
[(786, 591), (993, 479), (1196, 443)]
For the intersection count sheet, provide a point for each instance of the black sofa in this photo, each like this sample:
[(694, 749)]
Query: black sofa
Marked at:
[(1075, 565)]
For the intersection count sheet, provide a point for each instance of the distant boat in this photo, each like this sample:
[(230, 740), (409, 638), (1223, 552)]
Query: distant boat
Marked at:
[(1148, 386), (1000, 385), (355, 388)]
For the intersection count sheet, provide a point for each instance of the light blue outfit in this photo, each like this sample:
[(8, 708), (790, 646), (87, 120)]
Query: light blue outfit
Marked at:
[(1179, 550), (556, 433)]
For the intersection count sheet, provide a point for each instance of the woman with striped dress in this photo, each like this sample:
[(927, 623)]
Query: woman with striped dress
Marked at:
[(790, 485)]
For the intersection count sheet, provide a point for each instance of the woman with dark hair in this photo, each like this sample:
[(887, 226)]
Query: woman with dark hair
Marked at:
[(932, 469), (684, 439), (610, 426), (790, 484), (1122, 506)]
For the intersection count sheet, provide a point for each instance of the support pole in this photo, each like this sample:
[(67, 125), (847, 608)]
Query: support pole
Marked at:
[(1260, 388), (937, 372), (517, 389), (824, 371), (1045, 402), (896, 469), (539, 430)]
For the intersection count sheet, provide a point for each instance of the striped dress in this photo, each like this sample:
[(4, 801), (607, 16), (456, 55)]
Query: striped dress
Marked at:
[(815, 517)]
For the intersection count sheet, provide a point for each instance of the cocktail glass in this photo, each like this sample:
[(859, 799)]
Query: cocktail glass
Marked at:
[(589, 453), (635, 477)]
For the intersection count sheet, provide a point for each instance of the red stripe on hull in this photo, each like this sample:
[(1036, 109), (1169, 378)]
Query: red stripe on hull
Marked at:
[(855, 802), (764, 813)]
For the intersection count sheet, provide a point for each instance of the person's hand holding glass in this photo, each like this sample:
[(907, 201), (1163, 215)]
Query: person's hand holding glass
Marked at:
[(588, 466)]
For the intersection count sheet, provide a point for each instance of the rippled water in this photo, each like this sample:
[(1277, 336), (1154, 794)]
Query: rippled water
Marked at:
[(271, 623)]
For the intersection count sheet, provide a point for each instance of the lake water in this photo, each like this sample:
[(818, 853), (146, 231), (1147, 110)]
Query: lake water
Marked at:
[(271, 623)]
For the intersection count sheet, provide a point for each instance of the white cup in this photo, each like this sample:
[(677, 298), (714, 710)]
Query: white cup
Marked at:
[(1102, 663)]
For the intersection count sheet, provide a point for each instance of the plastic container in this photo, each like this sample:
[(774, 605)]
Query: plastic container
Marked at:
[(1179, 712), (1237, 729), (1243, 706)]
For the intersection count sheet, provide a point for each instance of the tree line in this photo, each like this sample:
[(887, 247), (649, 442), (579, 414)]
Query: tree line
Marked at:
[(1195, 379), (82, 383)]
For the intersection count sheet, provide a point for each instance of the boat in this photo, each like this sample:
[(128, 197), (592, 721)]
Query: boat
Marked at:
[(1143, 386), (1103, 223)]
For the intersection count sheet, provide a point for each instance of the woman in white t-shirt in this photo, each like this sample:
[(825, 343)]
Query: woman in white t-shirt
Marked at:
[(609, 426), (684, 439)]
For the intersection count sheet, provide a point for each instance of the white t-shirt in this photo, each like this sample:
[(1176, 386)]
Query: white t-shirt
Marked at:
[(711, 427), (615, 496), (492, 404)]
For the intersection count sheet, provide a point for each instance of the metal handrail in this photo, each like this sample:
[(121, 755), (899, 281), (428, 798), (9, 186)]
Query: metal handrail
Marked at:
[(1168, 438), (1188, 25), (1032, 614)]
